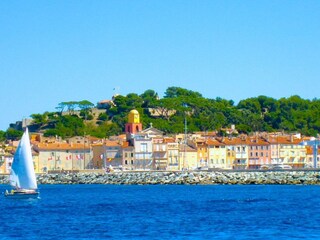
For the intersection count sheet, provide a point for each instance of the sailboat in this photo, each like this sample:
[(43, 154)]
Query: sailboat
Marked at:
[(22, 176)]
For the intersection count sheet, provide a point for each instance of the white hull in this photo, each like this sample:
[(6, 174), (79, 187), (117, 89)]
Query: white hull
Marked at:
[(21, 194)]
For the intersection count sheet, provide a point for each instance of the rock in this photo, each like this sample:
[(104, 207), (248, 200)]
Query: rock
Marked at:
[(141, 178)]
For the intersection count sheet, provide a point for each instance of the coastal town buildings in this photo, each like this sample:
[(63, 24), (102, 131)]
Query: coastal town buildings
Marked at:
[(173, 161), (241, 146), (160, 153), (61, 156), (128, 154), (258, 152), (217, 154), (143, 154), (150, 149), (188, 157)]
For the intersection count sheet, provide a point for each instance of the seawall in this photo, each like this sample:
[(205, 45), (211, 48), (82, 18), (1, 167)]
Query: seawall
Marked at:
[(192, 178)]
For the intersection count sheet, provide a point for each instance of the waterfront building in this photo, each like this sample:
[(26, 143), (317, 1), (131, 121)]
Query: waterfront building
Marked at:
[(160, 153), (291, 152), (112, 154), (36, 161), (98, 156), (200, 144), (240, 145), (188, 157), (217, 154), (275, 148), (142, 152), (309, 157), (231, 153), (63, 156), (258, 152), (173, 161), (5, 162), (128, 154)]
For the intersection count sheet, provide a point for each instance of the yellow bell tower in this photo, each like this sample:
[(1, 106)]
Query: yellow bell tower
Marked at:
[(134, 116), (133, 126)]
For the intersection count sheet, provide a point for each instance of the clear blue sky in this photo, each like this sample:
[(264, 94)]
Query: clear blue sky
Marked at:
[(56, 51)]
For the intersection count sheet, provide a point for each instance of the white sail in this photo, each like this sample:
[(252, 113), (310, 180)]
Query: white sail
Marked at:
[(22, 174)]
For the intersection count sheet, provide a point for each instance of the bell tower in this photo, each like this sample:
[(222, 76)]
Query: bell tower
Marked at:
[(133, 126)]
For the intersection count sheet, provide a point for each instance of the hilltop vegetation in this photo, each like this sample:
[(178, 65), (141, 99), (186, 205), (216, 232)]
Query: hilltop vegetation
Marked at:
[(260, 113)]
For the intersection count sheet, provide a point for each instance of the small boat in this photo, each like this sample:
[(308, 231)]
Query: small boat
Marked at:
[(22, 176)]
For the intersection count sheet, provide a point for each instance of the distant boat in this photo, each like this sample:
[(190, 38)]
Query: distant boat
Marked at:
[(22, 176)]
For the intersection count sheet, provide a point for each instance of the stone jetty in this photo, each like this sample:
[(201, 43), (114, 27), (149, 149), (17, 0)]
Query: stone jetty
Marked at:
[(191, 178)]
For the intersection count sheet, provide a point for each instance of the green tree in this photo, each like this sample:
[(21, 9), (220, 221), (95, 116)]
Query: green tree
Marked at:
[(13, 134), (2, 136)]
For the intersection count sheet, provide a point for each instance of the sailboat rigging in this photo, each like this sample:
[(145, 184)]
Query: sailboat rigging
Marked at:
[(22, 176)]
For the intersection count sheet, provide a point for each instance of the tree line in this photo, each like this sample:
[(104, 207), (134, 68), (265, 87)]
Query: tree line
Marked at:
[(261, 113)]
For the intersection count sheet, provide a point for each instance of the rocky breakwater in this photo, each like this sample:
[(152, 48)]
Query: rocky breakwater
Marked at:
[(191, 178)]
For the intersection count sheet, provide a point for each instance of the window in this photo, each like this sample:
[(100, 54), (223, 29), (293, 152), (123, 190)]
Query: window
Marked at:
[(143, 147), (126, 162)]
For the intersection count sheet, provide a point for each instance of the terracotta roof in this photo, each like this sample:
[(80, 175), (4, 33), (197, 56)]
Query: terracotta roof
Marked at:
[(214, 142), (212, 134), (96, 144), (112, 143), (169, 140), (125, 144), (61, 146), (257, 141), (285, 140), (236, 141)]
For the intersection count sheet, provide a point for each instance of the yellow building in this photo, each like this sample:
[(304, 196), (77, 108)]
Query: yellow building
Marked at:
[(291, 153), (217, 154), (188, 157), (200, 145), (173, 161)]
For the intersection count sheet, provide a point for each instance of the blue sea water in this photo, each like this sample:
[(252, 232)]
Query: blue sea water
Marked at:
[(164, 212)]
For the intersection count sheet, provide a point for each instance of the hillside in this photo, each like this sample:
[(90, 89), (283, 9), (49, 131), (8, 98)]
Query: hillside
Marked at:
[(168, 114)]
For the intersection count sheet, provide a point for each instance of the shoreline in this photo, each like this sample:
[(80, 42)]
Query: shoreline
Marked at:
[(302, 177)]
